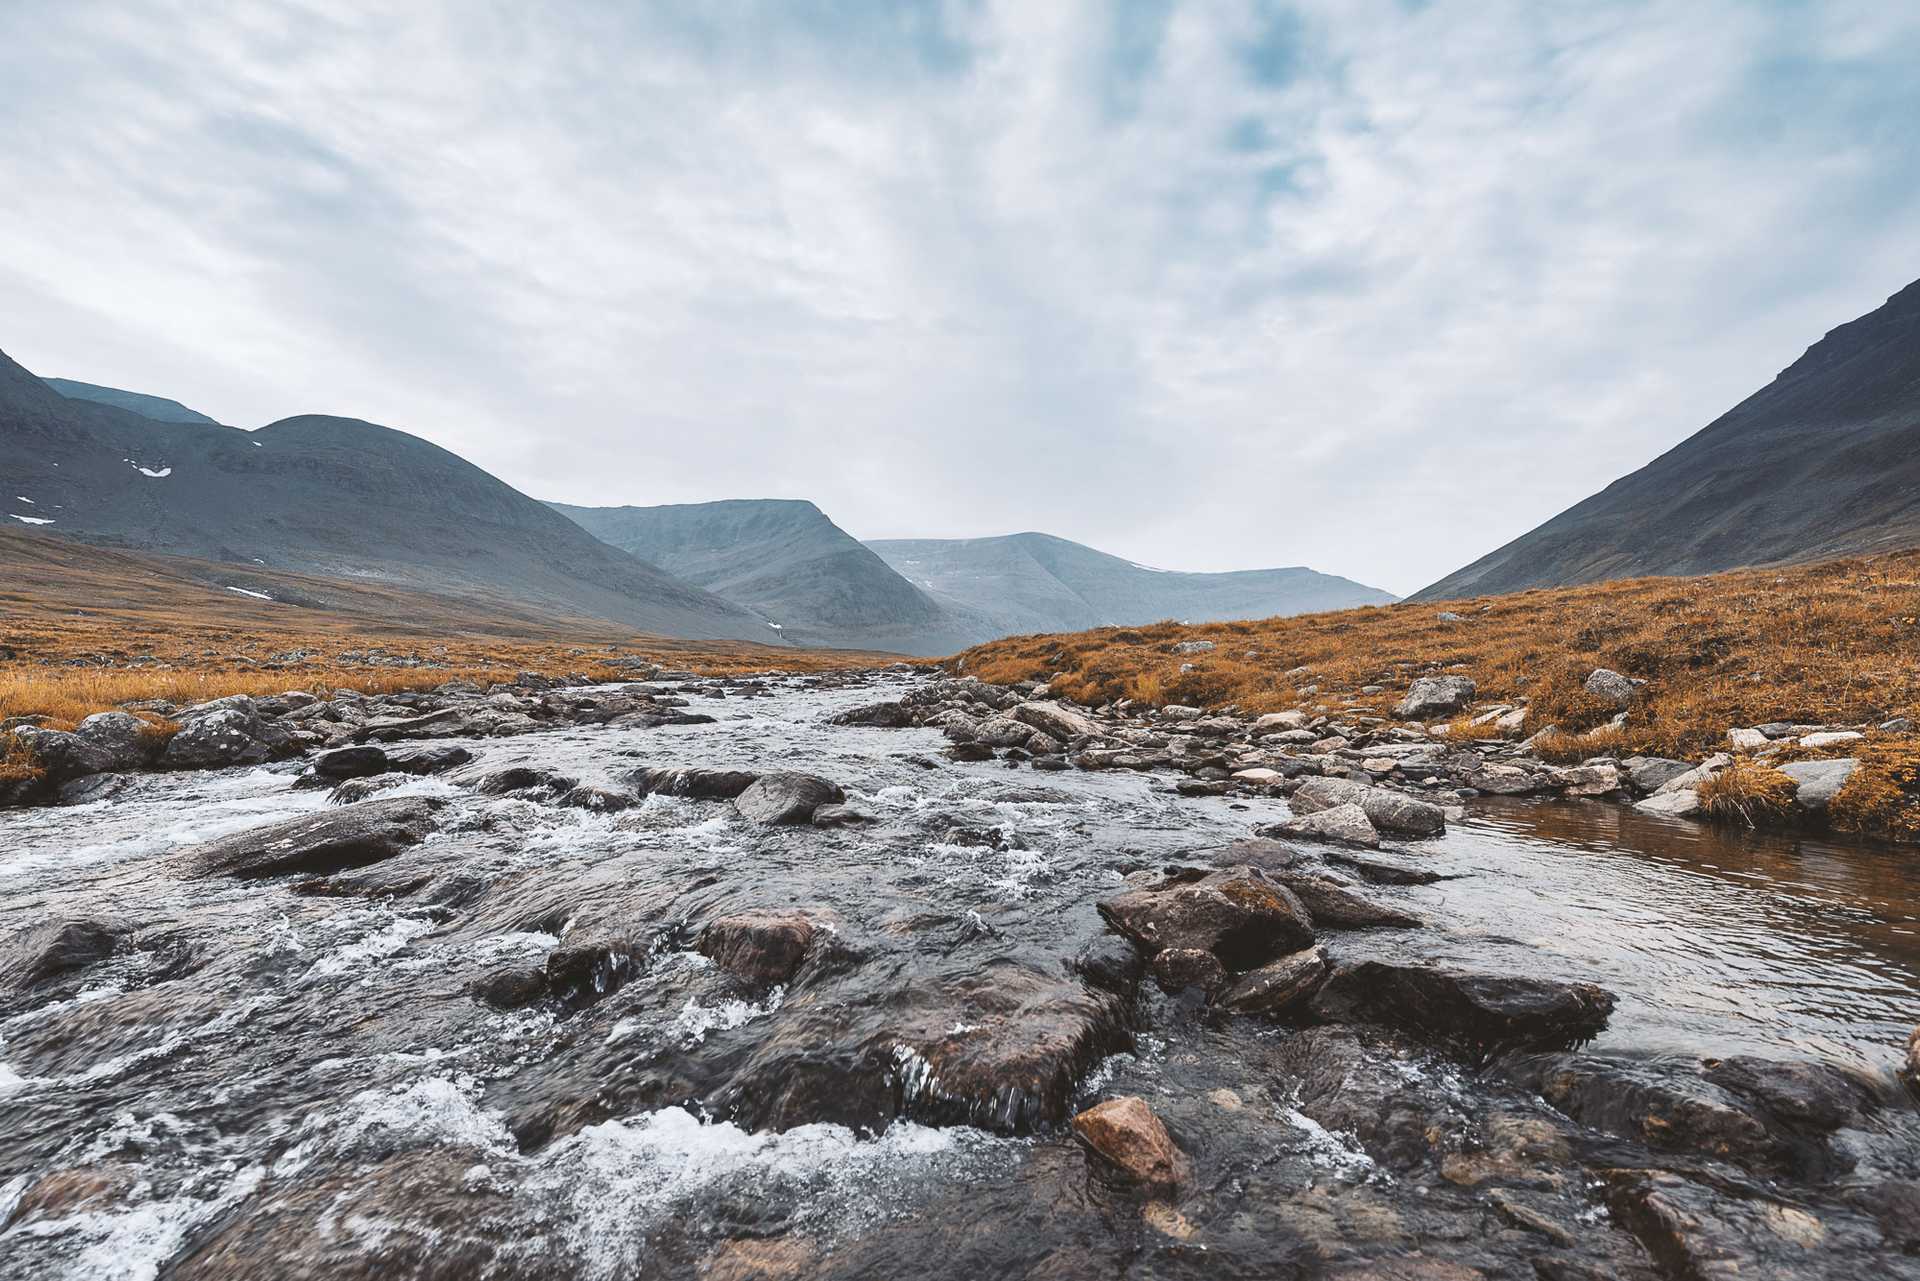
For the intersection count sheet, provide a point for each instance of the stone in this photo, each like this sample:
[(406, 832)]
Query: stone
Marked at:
[(351, 762), (1385, 808), (318, 844), (517, 780), (1648, 774), (1683, 803), (219, 736), (599, 800), (1176, 969), (90, 789), (1897, 725), (1508, 780), (1194, 647), (1346, 824), (1275, 722), (63, 756), (1431, 696), (1747, 740), (877, 715), (1239, 914), (1911, 1069), (1589, 780), (1819, 781), (1477, 1012), (1609, 686), (759, 946), (839, 816), (1003, 731), (57, 946), (1134, 1141), (510, 987), (1056, 720), (1831, 738), (129, 742), (1333, 904), (428, 760), (1277, 985), (1259, 776), (692, 782), (786, 797)]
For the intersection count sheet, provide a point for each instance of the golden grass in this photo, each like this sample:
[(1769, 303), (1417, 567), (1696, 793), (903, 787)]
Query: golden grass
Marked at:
[(1748, 793), (1883, 796), (1833, 642)]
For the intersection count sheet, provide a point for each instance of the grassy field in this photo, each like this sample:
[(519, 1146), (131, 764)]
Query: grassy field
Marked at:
[(1836, 642), (83, 629)]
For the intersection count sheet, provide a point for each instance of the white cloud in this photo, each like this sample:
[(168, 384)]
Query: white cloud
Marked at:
[(1368, 286)]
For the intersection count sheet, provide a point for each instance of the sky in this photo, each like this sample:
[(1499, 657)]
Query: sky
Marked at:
[(1368, 285)]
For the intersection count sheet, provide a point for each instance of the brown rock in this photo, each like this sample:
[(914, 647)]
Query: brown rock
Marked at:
[(1127, 1133), (1239, 914), (759, 946), (1277, 985), (1177, 968)]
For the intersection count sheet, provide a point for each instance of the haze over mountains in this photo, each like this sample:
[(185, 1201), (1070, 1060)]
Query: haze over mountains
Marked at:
[(1823, 461)]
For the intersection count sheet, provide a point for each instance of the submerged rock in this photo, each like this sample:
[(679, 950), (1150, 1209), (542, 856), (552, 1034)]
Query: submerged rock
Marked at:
[(1278, 985), (55, 947), (759, 946), (318, 844), (1239, 914), (1479, 1013), (1134, 1141), (693, 782)]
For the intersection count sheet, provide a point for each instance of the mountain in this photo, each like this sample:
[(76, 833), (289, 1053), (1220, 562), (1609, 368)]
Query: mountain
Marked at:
[(331, 496), (1039, 583), (1824, 461), (158, 408), (786, 561)]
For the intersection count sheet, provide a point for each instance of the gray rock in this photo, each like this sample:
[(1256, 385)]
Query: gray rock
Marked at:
[(1650, 773), (1435, 696), (63, 756), (1611, 686), (123, 736), (1277, 985), (223, 734), (1057, 721), (1347, 824), (786, 797), (56, 946), (1482, 1013), (1820, 781), (1898, 725), (90, 788), (1241, 915), (1831, 738), (1747, 740), (1194, 647), (319, 844), (1003, 731), (351, 762), (691, 781), (1386, 809), (1680, 803)]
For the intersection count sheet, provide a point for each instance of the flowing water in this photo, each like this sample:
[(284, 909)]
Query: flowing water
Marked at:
[(309, 1048)]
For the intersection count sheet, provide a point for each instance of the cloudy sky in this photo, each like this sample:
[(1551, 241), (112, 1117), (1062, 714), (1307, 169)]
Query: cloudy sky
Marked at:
[(1367, 286)]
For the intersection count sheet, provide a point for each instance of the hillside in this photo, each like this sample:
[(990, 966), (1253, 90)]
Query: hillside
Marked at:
[(1039, 583), (1823, 461), (158, 408), (783, 559), (332, 496)]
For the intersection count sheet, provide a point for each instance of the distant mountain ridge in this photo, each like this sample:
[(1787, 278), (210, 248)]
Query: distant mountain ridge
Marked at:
[(158, 408), (1823, 461), (784, 559), (333, 496), (1036, 582)]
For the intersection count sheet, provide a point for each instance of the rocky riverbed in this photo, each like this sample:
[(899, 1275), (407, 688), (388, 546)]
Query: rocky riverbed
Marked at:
[(884, 974)]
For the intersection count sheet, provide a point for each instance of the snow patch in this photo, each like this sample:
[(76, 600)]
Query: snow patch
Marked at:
[(158, 473), (32, 520), (256, 595), (22, 498)]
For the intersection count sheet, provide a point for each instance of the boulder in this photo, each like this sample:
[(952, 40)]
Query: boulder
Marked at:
[(758, 946), (319, 844), (1820, 781), (1176, 969), (1133, 1141), (1056, 720), (1831, 738), (428, 760), (1333, 904), (1508, 780), (1002, 731), (1278, 722), (1683, 803), (351, 762), (1480, 1013), (1194, 647), (1432, 696), (1746, 740), (1648, 774), (56, 946), (600, 800), (63, 756), (876, 715), (692, 782), (127, 740), (1239, 914), (1588, 780), (1911, 1069), (223, 734), (1278, 985), (1609, 686), (786, 797), (1344, 824), (516, 780), (1384, 808)]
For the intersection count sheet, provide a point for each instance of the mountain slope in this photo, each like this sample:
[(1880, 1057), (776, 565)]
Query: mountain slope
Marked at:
[(1823, 461), (158, 408), (323, 495), (784, 559), (1038, 583)]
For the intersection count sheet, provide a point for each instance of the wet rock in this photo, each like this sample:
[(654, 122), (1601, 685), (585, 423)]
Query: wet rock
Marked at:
[(1127, 1134), (1333, 903), (318, 844), (225, 733), (62, 1194), (91, 788), (351, 762), (1911, 1069), (1239, 914), (1278, 985), (1813, 1097), (1647, 774), (1386, 809), (1508, 780), (428, 760), (1176, 969), (786, 797), (1820, 781), (877, 715), (1002, 731), (520, 779), (63, 756), (1432, 696), (839, 816), (1110, 962), (1609, 687), (1665, 1108), (693, 782), (1475, 1012), (599, 800), (1345, 824), (128, 741), (355, 790), (1383, 870), (57, 946), (759, 946), (1683, 803), (510, 987), (968, 752), (1695, 1230)]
